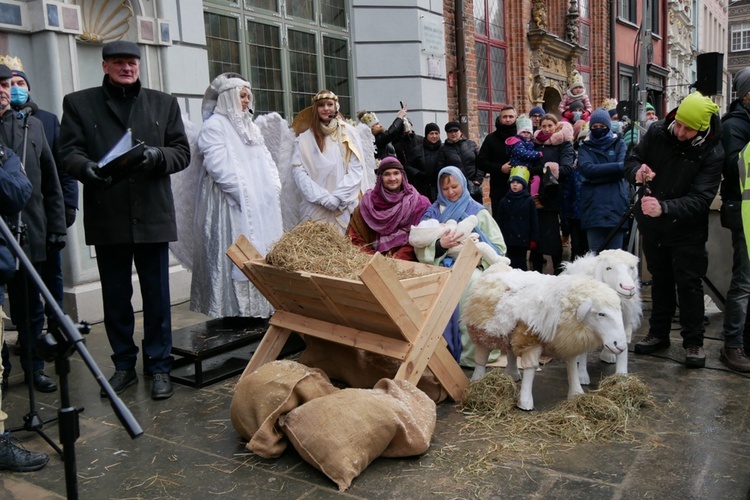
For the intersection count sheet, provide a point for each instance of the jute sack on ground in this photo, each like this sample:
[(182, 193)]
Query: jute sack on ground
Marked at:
[(263, 396), (361, 369), (342, 433)]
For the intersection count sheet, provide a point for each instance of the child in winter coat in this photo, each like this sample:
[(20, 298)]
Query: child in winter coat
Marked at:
[(520, 147), (517, 218), (576, 93)]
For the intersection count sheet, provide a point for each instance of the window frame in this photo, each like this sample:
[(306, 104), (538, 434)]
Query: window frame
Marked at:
[(490, 107)]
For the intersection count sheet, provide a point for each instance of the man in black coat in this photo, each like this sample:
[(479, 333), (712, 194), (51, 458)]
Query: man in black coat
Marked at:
[(133, 219), (736, 134), (460, 152), (44, 219), (493, 157), (20, 98), (680, 159), (422, 167)]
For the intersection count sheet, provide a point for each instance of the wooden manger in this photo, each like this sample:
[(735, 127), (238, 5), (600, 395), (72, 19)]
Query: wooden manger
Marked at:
[(402, 319)]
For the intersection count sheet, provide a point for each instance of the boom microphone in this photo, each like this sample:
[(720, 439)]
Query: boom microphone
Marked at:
[(28, 109)]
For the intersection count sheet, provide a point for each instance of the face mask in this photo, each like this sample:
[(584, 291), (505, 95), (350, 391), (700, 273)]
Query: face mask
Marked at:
[(598, 133), (18, 96), (577, 116), (615, 127)]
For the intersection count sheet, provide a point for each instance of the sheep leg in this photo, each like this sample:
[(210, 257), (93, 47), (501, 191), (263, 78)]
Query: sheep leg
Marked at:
[(583, 370), (525, 398), (512, 367), (574, 385), (481, 354), (621, 366)]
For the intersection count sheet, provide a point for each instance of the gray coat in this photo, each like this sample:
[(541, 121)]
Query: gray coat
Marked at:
[(140, 208), (44, 213)]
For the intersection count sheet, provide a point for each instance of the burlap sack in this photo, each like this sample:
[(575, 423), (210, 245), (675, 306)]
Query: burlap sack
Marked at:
[(342, 433), (361, 369), (263, 396)]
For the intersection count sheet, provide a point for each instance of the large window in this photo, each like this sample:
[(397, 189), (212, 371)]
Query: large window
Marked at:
[(288, 50), (740, 37), (626, 10), (584, 62), (490, 47)]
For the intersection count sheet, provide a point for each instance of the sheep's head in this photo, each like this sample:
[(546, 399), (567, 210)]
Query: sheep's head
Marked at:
[(618, 269), (601, 312)]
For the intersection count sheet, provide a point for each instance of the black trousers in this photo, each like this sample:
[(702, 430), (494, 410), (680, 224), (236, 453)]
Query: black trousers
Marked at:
[(115, 264), (679, 267)]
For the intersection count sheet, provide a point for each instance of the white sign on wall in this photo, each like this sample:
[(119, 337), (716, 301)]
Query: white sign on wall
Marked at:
[(432, 37)]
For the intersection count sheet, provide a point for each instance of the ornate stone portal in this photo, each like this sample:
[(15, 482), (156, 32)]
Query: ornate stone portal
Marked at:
[(552, 59)]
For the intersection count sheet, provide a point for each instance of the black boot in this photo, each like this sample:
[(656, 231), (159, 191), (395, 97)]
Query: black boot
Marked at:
[(17, 458)]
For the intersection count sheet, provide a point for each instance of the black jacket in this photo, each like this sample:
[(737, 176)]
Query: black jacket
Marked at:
[(735, 126), (564, 155), (384, 139), (518, 219), (15, 190), (461, 154), (685, 182), (44, 212), (140, 208), (422, 169), (493, 155)]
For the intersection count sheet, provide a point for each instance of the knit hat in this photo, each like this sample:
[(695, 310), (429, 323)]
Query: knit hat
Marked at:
[(600, 115), (576, 106), (696, 111), (450, 126), (368, 118), (388, 163), (523, 124), (537, 110), (576, 80), (431, 127), (612, 113), (5, 72), (741, 82), (519, 174), (650, 107)]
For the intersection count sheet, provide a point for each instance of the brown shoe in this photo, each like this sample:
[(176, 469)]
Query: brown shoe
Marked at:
[(735, 358)]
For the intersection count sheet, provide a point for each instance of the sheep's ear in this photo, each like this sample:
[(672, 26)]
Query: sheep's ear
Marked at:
[(584, 309)]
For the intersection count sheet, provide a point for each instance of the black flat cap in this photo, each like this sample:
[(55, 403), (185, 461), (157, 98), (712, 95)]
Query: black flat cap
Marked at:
[(5, 72), (121, 48), (452, 126)]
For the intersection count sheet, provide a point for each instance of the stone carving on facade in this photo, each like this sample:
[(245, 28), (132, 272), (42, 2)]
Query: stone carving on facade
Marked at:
[(104, 20), (571, 27), (539, 14), (536, 89)]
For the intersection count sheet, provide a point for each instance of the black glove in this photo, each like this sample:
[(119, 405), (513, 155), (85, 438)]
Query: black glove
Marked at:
[(153, 158), (55, 242), (70, 215), (90, 176)]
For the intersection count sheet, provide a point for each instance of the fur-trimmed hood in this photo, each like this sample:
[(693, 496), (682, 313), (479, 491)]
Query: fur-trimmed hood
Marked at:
[(565, 134)]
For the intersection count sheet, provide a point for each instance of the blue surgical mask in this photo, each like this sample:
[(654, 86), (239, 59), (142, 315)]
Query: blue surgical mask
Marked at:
[(615, 127), (598, 133), (577, 116), (18, 96)]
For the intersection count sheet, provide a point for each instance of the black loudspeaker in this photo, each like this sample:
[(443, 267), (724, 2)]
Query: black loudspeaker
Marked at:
[(710, 70), (625, 108)]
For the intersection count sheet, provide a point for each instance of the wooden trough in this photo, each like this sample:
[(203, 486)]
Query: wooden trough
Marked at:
[(402, 319)]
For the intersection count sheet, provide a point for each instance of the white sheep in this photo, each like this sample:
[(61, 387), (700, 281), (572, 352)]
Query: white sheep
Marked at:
[(528, 314), (430, 230), (617, 269)]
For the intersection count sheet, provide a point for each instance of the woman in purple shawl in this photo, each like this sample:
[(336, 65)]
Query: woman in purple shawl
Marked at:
[(454, 203), (386, 212)]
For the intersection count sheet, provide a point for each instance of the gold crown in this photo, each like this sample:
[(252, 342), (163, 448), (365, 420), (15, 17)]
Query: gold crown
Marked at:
[(14, 63)]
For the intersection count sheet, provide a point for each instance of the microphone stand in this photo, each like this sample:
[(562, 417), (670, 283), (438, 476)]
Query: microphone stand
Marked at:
[(61, 343)]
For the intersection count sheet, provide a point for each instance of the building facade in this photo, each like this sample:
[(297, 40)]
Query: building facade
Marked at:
[(738, 53)]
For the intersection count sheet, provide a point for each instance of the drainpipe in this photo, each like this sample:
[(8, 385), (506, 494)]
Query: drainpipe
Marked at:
[(612, 49), (463, 93)]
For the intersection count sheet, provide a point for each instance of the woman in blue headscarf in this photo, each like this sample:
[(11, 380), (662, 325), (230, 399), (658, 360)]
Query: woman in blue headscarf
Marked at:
[(455, 203)]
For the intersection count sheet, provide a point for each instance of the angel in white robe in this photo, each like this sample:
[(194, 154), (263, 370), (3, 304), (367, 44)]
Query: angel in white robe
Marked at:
[(327, 165), (238, 193)]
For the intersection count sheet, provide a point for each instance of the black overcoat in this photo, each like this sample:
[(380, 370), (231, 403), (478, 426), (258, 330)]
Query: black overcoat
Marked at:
[(140, 208)]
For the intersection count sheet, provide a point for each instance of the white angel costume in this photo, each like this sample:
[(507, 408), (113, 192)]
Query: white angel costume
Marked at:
[(330, 181), (238, 193)]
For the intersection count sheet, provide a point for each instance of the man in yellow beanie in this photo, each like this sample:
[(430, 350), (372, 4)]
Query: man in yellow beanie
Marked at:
[(679, 163)]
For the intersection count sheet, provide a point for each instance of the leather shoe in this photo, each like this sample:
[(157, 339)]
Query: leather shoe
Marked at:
[(650, 344), (121, 380), (43, 383), (161, 386)]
